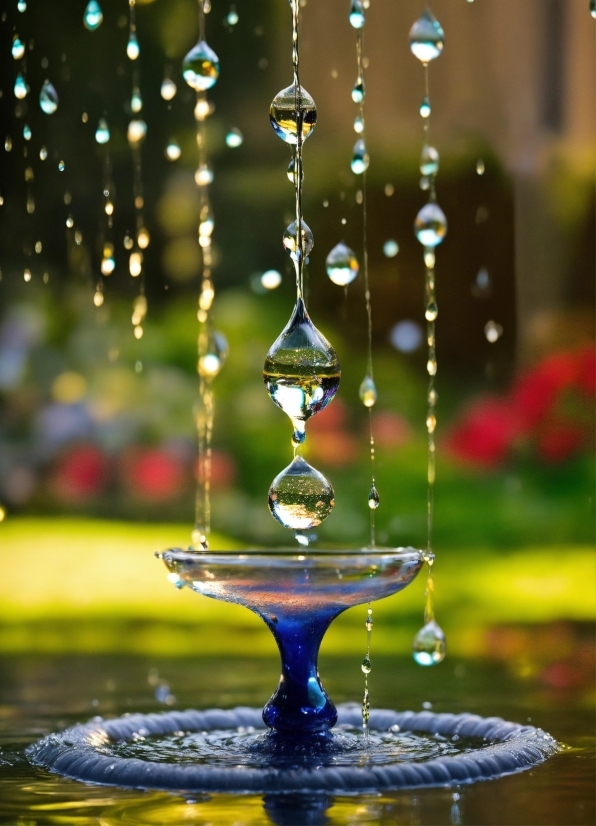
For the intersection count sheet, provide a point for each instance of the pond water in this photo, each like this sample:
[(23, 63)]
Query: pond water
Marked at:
[(41, 693)]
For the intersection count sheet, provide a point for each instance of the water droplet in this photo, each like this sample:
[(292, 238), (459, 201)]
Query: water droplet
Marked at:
[(429, 258), (203, 175), (93, 16), (48, 98), (29, 174), (373, 498), (593, 8), (173, 150), (360, 158), (425, 109), (430, 646), (291, 172), (492, 331), (357, 16), (133, 50), (26, 132), (200, 67), (168, 89), (102, 133), (128, 242), (307, 241), (70, 222), (61, 166), (429, 161), (358, 91), (27, 275), (143, 238), (342, 265), (20, 87), (389, 190), (426, 37), (136, 101), (8, 143), (430, 225), (108, 265), (300, 497), (431, 423), (137, 129), (234, 138), (368, 392), (22, 5), (482, 286), (232, 17), (211, 362), (98, 298), (480, 168), (135, 264), (283, 116), (301, 371), (18, 48), (432, 311), (390, 248), (366, 666), (358, 125), (271, 279), (425, 183)]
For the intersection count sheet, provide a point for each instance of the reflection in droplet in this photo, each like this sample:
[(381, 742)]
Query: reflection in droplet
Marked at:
[(307, 241), (20, 87), (48, 98), (168, 89), (430, 646), (283, 116), (357, 16), (360, 158), (102, 133), (368, 392), (358, 91), (93, 16), (493, 331), (300, 497), (133, 50), (390, 248), (430, 225), (291, 173), (234, 138), (211, 362), (425, 109), (373, 498), (200, 67), (342, 265), (429, 160), (18, 48), (426, 37), (173, 150)]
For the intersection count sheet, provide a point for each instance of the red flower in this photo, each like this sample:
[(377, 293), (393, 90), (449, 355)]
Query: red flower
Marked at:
[(80, 473), (486, 432), (390, 430), (153, 474), (559, 440)]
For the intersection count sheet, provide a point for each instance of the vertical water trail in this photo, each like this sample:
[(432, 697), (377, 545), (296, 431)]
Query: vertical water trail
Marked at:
[(300, 247)]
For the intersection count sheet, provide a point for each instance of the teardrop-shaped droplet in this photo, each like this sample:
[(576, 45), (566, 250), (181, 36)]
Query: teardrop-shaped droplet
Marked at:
[(430, 645), (8, 143), (373, 498), (200, 67), (342, 265), (432, 311), (425, 109), (360, 159), (284, 118), (206, 220), (137, 129), (48, 98), (27, 132), (593, 8), (18, 48), (291, 172), (358, 125), (173, 150), (232, 16), (429, 160), (430, 225), (211, 362), (136, 101), (43, 153), (358, 91), (22, 5), (168, 89), (301, 371), (366, 666), (133, 50), (307, 241), (20, 87), (357, 16), (234, 138), (368, 392), (93, 16), (102, 133), (300, 497), (480, 163), (426, 37)]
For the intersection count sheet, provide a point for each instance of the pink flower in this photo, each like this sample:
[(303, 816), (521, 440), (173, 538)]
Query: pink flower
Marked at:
[(79, 473), (485, 433), (153, 474)]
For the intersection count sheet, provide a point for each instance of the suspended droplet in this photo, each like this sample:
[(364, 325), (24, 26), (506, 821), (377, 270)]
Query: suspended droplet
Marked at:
[(200, 67), (284, 118), (22, 5), (18, 48), (493, 331), (301, 371), (30, 204), (108, 265), (430, 225), (480, 168), (426, 37), (424, 183), (135, 264), (429, 258), (300, 497), (373, 498), (214, 359), (20, 87), (431, 423), (29, 174), (430, 646), (291, 172), (102, 133), (390, 248), (342, 265), (358, 125), (307, 241), (133, 50), (432, 311), (61, 166), (358, 91), (143, 238), (368, 392), (8, 143), (139, 310), (173, 150), (357, 16), (48, 98), (593, 8), (93, 16), (206, 220), (429, 160), (27, 132), (98, 298), (203, 175), (27, 275), (360, 158), (136, 101), (137, 129), (366, 666), (70, 222), (232, 17), (203, 109), (271, 279), (168, 89), (425, 109), (234, 138)]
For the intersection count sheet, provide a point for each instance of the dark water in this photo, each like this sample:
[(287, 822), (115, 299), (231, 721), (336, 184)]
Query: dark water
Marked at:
[(39, 694)]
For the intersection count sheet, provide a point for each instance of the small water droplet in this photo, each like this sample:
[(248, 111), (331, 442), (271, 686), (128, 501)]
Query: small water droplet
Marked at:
[(431, 423), (102, 133), (429, 258), (493, 331), (137, 130), (133, 50), (360, 158), (480, 168), (430, 646), (425, 109), (211, 362), (300, 497), (136, 101), (8, 143), (283, 115), (357, 16), (168, 89), (173, 150), (135, 264), (358, 92), (271, 279), (373, 498), (22, 6), (203, 175), (368, 392), (70, 222), (390, 248), (234, 138), (342, 265), (232, 17), (291, 172), (307, 241), (18, 48), (429, 160), (61, 166), (426, 37), (20, 87), (48, 98), (98, 298), (366, 666), (27, 132), (27, 275), (358, 125), (93, 16), (200, 67), (432, 311), (430, 225), (389, 190)]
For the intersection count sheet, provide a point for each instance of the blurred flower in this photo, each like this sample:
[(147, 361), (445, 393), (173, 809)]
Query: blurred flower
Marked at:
[(79, 474), (485, 432), (223, 470), (327, 438), (390, 429), (559, 440), (153, 474)]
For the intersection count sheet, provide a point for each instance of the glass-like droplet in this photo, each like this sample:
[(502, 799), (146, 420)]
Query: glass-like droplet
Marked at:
[(48, 98), (200, 67), (301, 371), (173, 150), (357, 16), (426, 37), (493, 331), (137, 129), (342, 265), (480, 168), (232, 17), (168, 89), (368, 392), (432, 311), (593, 8), (8, 143), (22, 5), (300, 497), (358, 125), (133, 50), (390, 248), (102, 133), (136, 101), (18, 48), (430, 225), (214, 359), (291, 172), (61, 166), (284, 118), (307, 241), (43, 153), (429, 160), (430, 646), (360, 159), (425, 109), (234, 138), (93, 16), (366, 666), (358, 91), (20, 87), (373, 498), (27, 132)]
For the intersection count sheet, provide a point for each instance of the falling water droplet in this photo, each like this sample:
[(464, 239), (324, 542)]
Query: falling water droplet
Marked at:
[(357, 16), (360, 158), (593, 8), (211, 362), (234, 138), (300, 497), (133, 50), (22, 6), (61, 166), (307, 241), (136, 101), (480, 168), (18, 48), (368, 392), (173, 150), (8, 143), (493, 331), (425, 109), (366, 666), (426, 37), (20, 87), (358, 125), (135, 264), (390, 248), (48, 98), (137, 129), (373, 498), (283, 116), (26, 132), (430, 646), (358, 91), (291, 173), (429, 160), (232, 17), (168, 89), (301, 371), (93, 16), (200, 67), (432, 311), (342, 265), (102, 133), (430, 225)]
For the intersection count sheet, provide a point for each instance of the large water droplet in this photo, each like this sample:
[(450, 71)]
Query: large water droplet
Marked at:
[(373, 498), (133, 50), (93, 16), (211, 362), (300, 497), (358, 91), (342, 265), (20, 87), (307, 241), (173, 150), (102, 133), (18, 48), (426, 37), (301, 370), (430, 646), (429, 161), (283, 116), (48, 98), (368, 392), (425, 109), (357, 16), (360, 159), (200, 67), (168, 89), (430, 225)]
